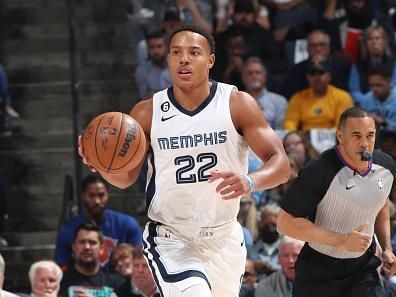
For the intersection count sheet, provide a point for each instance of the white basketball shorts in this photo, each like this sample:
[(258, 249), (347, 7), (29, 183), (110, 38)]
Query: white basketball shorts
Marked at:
[(208, 262)]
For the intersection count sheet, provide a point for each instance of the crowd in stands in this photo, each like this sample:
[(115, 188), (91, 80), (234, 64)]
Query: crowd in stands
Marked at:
[(304, 62)]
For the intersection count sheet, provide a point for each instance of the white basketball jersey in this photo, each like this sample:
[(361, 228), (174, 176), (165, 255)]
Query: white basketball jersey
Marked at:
[(185, 147)]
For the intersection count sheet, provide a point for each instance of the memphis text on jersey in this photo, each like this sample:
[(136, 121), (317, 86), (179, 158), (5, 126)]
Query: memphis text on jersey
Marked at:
[(189, 141)]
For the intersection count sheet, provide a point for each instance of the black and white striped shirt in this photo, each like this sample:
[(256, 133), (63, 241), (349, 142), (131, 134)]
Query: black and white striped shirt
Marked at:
[(334, 196)]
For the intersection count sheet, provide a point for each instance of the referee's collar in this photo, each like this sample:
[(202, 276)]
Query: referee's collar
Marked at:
[(370, 164)]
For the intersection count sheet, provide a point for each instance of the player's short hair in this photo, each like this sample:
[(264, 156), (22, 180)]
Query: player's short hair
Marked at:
[(352, 112), (89, 226), (194, 29), (92, 179), (45, 264)]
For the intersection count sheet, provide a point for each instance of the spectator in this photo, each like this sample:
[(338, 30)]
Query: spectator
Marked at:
[(121, 259), (359, 16), (381, 101), (153, 75), (299, 145), (387, 143), (247, 217), (318, 50), (264, 252), (249, 280), (236, 53), (116, 227), (290, 13), (198, 12), (45, 277), (375, 50), (143, 284), (2, 270), (170, 21), (318, 106), (86, 276), (280, 283), (273, 106), (260, 41), (276, 195), (225, 9)]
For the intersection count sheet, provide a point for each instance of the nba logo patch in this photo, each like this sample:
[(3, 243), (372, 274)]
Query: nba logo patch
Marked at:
[(380, 185)]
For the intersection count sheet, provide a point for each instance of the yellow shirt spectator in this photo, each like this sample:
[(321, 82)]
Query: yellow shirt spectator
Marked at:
[(305, 111)]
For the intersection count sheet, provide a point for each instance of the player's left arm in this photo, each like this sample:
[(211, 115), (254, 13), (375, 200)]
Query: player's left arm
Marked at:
[(382, 230), (249, 120)]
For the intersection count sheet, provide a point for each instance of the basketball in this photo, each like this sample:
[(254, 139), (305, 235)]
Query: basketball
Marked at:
[(114, 142)]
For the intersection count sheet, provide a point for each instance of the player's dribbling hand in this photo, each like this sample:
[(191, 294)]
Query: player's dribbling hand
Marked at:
[(356, 240), (232, 186), (81, 153), (388, 262)]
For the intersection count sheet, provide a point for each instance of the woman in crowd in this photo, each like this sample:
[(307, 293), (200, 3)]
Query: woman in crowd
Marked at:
[(297, 143), (375, 50)]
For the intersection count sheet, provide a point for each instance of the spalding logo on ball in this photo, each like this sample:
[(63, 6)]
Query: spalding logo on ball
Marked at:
[(114, 142)]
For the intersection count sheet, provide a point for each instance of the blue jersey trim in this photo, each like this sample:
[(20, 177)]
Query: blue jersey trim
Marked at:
[(151, 185), (205, 103), (167, 277)]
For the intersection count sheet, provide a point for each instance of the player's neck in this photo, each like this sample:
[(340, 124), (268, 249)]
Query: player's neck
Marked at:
[(191, 98)]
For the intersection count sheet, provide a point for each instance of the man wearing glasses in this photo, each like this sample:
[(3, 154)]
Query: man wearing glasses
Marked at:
[(318, 48)]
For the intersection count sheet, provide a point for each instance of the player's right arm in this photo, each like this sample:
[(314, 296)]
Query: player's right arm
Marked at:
[(142, 113), (303, 229)]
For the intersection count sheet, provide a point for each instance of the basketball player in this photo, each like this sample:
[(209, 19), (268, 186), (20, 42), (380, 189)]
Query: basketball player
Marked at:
[(199, 132), (336, 204)]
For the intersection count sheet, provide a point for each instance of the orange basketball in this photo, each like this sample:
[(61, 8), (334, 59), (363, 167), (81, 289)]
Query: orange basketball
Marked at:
[(114, 142)]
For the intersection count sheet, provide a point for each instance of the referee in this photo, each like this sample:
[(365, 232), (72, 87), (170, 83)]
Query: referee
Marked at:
[(336, 205)]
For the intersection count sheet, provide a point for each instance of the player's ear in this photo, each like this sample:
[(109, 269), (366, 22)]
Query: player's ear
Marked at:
[(211, 60)]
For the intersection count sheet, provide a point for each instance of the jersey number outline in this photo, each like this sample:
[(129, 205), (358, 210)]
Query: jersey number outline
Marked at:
[(201, 175)]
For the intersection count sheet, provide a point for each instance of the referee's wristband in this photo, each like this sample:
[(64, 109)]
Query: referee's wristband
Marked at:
[(251, 181)]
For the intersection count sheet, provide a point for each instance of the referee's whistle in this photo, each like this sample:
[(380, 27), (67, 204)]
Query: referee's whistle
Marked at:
[(365, 156)]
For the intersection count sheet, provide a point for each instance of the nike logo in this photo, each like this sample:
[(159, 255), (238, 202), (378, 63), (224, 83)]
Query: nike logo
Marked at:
[(163, 119), (348, 188)]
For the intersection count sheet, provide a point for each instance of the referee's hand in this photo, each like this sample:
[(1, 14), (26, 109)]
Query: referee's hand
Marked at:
[(356, 240), (388, 262)]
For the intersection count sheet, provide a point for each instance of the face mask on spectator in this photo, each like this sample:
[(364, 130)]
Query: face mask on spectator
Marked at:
[(269, 234)]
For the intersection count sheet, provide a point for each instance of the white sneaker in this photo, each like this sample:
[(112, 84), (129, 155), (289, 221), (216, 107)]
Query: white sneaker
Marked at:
[(11, 112)]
